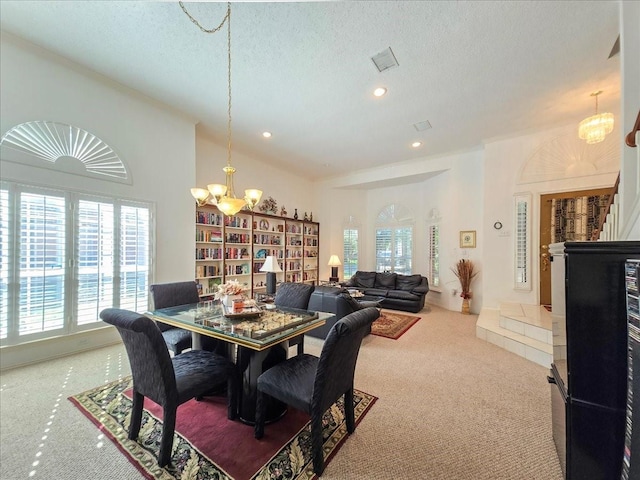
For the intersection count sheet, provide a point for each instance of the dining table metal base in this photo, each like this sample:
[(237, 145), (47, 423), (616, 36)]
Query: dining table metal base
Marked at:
[(252, 364)]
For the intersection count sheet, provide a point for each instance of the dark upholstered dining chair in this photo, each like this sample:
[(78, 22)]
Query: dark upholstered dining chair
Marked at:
[(294, 295), (168, 381), (165, 295), (313, 384)]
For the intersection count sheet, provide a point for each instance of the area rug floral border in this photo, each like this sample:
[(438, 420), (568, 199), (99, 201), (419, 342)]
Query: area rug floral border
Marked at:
[(109, 408), (392, 325)]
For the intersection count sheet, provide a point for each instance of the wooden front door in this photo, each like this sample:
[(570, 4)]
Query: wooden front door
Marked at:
[(546, 222)]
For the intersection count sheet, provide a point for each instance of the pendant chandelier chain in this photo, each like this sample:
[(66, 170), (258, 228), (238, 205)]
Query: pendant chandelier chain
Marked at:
[(223, 194), (227, 19)]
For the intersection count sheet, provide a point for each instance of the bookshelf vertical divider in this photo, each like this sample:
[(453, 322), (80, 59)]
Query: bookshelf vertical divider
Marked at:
[(235, 248)]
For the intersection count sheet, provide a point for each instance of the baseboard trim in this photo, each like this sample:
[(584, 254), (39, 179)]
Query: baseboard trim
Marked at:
[(14, 356)]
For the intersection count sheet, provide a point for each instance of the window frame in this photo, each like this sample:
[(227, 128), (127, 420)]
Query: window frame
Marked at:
[(522, 272), (394, 218), (433, 248), (349, 254), (72, 199)]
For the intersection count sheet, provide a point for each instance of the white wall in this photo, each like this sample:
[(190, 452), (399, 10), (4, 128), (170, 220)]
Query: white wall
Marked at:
[(157, 146), (285, 188), (471, 191), (453, 187), (504, 162)]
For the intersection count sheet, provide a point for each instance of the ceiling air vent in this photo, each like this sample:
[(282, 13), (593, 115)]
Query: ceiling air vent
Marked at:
[(422, 126), (384, 60)]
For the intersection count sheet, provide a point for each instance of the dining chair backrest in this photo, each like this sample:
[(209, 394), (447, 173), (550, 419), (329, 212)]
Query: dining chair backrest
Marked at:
[(337, 363), (293, 295), (151, 366), (166, 295)]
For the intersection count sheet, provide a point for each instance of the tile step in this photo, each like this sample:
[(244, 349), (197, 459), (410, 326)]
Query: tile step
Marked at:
[(532, 321), (488, 328)]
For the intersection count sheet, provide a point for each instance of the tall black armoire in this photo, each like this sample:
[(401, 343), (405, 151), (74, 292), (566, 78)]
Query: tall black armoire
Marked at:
[(589, 370)]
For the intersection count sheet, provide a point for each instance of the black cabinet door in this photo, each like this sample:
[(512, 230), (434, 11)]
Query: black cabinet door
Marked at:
[(596, 442), (596, 321)]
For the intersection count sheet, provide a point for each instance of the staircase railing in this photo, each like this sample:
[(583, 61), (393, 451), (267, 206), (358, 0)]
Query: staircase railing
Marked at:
[(631, 137), (609, 214)]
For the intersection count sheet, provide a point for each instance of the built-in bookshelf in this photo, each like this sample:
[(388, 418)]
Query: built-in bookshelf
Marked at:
[(235, 248)]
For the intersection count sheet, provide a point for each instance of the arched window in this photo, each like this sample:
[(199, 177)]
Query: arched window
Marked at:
[(394, 240), (57, 143)]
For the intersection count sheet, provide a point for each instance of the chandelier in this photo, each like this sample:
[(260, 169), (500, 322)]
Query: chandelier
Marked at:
[(593, 129), (224, 195)]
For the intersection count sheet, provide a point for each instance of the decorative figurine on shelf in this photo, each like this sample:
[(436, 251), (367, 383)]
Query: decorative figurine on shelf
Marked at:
[(311, 217), (269, 206), (283, 212), (306, 217), (295, 214)]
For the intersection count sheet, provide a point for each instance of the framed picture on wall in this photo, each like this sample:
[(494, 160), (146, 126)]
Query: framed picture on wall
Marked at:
[(467, 239)]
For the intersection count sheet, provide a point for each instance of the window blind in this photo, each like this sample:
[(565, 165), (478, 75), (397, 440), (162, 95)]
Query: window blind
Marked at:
[(4, 262), (66, 256), (134, 258), (42, 259), (95, 244), (434, 255), (383, 249), (522, 242), (394, 247), (350, 252)]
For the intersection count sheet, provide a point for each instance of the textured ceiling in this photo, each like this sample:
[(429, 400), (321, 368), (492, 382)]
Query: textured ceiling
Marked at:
[(475, 70)]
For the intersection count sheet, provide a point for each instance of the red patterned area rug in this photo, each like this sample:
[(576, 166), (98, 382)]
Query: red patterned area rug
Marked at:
[(392, 325), (209, 446)]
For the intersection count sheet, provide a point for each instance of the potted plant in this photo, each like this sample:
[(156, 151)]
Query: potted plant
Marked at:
[(464, 270)]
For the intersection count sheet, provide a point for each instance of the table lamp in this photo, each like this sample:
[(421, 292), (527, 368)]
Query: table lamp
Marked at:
[(272, 267), (334, 263)]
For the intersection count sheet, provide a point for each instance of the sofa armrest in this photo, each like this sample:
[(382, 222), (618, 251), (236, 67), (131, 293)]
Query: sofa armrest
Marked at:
[(423, 288)]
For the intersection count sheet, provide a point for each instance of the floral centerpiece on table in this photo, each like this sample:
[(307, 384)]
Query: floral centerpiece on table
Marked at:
[(464, 270), (231, 287)]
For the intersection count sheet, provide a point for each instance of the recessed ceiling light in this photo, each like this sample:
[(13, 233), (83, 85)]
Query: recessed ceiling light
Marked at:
[(266, 134), (416, 144), (380, 91)]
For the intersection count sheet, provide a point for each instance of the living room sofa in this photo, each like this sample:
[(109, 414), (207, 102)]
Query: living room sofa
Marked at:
[(399, 292), (334, 300)]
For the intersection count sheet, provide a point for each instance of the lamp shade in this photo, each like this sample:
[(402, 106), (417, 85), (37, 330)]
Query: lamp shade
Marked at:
[(271, 265), (334, 261)]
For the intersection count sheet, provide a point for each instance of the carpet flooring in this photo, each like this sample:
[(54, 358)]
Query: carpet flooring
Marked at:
[(392, 324), (450, 407), (209, 446)]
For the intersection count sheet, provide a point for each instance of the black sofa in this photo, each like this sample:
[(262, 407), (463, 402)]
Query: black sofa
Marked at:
[(334, 300), (399, 292)]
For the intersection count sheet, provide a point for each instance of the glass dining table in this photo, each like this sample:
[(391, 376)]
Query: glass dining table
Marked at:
[(260, 333)]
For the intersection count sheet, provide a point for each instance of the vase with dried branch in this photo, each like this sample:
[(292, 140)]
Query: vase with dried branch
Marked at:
[(464, 270)]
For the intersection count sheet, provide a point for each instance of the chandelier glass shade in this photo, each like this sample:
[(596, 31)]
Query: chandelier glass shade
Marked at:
[(595, 128), (224, 195)]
